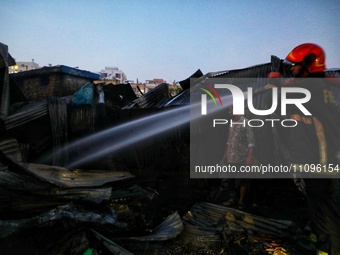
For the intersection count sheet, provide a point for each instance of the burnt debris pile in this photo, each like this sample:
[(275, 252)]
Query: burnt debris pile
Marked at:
[(90, 168)]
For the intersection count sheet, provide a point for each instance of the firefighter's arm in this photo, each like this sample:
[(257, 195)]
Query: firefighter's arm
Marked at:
[(276, 80)]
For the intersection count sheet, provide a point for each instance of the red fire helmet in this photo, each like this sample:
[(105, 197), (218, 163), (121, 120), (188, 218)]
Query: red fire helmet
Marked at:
[(310, 55)]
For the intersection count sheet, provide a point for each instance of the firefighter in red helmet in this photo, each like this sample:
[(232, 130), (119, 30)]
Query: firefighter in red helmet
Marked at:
[(315, 141), (309, 57)]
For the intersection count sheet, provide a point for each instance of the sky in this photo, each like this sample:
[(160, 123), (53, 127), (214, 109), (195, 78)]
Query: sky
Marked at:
[(166, 39)]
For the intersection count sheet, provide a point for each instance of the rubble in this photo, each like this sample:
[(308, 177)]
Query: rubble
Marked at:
[(136, 201)]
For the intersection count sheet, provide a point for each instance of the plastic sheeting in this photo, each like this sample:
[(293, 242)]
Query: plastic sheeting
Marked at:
[(84, 96)]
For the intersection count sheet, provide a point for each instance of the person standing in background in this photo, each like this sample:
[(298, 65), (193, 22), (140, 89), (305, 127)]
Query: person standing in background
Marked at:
[(239, 151)]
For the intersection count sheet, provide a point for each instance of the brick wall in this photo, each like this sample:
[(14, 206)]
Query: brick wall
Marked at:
[(39, 84)]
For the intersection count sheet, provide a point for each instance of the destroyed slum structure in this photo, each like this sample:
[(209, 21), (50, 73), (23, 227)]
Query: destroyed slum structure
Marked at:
[(73, 117), (110, 126), (26, 130), (268, 146), (257, 75), (62, 111), (32, 98), (138, 200), (39, 199), (118, 95)]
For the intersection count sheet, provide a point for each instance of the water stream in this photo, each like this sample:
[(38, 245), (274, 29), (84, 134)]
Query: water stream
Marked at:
[(119, 137)]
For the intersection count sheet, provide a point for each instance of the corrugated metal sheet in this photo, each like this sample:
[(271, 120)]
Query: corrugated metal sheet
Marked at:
[(4, 82), (81, 119), (181, 99), (258, 71), (29, 176), (11, 148), (155, 98), (171, 227), (6, 58), (185, 84), (64, 177), (57, 109), (30, 111), (209, 216)]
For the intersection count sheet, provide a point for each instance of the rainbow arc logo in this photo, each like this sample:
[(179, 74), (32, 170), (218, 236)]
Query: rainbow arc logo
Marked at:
[(211, 92)]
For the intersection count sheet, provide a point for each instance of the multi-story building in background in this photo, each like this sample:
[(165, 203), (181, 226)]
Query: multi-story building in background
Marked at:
[(113, 74), (23, 66)]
